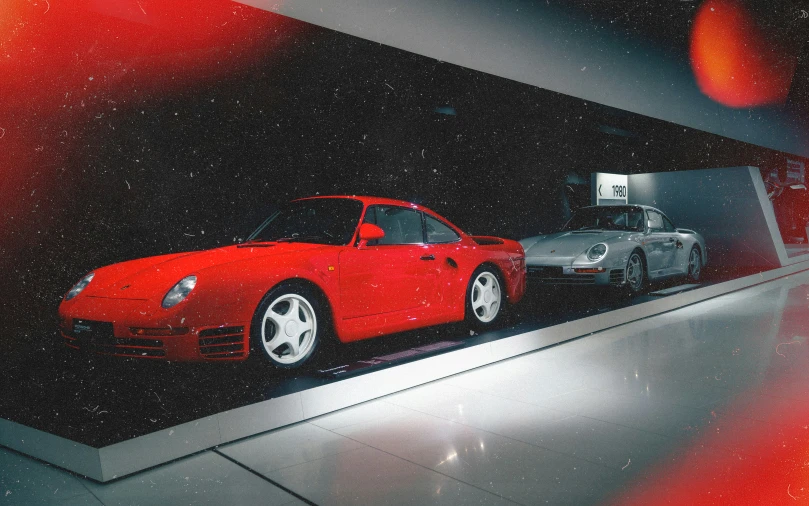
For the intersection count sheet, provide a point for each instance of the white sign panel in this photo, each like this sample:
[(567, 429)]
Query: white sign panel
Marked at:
[(611, 189)]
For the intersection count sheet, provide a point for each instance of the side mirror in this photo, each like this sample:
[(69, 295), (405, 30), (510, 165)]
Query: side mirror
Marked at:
[(369, 232)]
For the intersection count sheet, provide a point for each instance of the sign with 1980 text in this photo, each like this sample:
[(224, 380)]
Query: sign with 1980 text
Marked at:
[(610, 189)]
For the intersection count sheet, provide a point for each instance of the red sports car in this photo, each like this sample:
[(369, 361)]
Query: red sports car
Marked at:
[(350, 267)]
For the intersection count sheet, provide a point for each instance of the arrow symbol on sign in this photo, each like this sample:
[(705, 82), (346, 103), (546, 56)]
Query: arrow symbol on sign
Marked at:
[(599, 191)]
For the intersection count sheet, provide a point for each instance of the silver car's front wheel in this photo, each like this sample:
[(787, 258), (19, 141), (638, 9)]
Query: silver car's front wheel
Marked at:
[(635, 274)]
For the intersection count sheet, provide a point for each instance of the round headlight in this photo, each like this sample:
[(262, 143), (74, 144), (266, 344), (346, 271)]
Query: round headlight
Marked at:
[(179, 292), (597, 252), (81, 285)]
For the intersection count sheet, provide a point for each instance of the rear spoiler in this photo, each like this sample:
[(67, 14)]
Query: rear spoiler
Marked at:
[(487, 240)]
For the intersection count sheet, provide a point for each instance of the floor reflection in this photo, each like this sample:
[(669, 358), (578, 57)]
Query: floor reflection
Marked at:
[(753, 448)]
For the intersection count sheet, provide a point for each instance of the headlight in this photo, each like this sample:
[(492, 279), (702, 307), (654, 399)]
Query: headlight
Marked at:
[(81, 285), (597, 252), (179, 292)]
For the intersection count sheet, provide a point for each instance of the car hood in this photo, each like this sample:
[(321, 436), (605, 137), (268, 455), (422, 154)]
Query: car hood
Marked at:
[(152, 277), (568, 244)]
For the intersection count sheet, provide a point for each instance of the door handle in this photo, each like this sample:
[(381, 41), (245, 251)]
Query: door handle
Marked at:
[(428, 257), (671, 239)]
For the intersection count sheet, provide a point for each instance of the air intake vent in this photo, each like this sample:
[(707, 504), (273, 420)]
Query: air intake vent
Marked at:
[(555, 276), (222, 342)]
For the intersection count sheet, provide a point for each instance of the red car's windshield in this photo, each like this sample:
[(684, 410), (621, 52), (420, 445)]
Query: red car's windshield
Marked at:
[(321, 221)]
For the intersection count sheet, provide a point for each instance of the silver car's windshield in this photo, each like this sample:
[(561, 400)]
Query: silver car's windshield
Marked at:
[(606, 218)]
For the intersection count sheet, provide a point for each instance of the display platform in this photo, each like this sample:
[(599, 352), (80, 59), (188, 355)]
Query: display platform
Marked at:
[(675, 289), (106, 418)]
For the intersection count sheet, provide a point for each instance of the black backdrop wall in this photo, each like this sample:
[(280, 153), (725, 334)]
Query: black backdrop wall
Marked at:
[(325, 114)]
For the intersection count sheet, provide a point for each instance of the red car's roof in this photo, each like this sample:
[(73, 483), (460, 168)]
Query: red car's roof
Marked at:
[(366, 200)]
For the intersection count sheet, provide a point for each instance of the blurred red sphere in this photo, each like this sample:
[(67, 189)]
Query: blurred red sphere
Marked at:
[(736, 61)]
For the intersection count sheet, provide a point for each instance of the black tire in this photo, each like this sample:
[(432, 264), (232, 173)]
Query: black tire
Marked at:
[(694, 264), (635, 273), (287, 328), (484, 284)]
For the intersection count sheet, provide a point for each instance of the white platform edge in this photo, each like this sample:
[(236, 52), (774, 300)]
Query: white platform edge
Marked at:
[(61, 452), (157, 448)]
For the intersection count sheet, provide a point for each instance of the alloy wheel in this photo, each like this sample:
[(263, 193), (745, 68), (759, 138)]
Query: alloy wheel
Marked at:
[(694, 264), (288, 328), (486, 297), (634, 272)]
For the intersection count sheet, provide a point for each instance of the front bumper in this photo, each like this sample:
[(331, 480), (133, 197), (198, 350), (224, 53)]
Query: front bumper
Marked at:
[(559, 275), (128, 328), (178, 344)]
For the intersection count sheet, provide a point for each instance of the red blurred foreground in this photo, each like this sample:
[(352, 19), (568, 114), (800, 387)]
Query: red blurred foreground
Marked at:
[(64, 64), (752, 449)]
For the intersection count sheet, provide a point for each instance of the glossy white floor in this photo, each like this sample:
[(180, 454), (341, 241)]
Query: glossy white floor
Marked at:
[(705, 403)]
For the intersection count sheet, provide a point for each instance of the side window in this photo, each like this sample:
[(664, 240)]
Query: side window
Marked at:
[(401, 225), (668, 226), (438, 232), (655, 221), (635, 221)]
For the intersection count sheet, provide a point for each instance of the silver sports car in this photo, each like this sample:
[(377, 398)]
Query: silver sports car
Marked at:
[(624, 245)]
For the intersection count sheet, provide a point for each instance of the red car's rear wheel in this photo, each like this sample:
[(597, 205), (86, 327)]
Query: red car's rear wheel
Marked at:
[(288, 325), (484, 297)]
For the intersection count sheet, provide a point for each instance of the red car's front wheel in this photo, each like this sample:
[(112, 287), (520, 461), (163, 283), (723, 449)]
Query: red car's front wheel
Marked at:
[(287, 326)]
